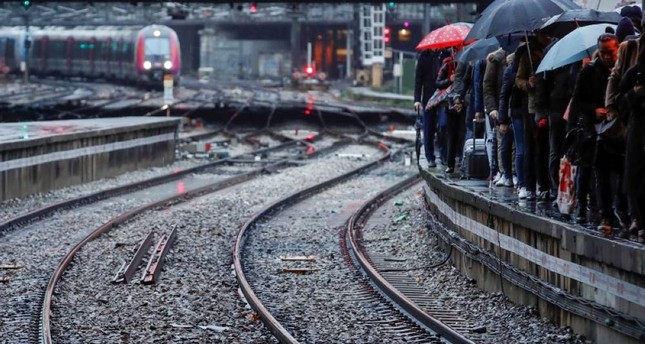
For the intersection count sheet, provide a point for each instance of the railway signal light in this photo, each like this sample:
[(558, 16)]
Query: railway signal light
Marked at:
[(391, 5), (309, 70), (26, 4), (254, 7), (386, 35)]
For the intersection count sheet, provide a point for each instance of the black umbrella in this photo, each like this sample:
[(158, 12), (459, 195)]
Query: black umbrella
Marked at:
[(560, 25), (507, 16), (510, 42), (478, 50)]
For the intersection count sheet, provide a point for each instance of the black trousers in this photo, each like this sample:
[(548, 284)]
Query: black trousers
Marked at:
[(585, 185), (429, 129), (609, 167), (536, 155), (456, 130), (557, 132)]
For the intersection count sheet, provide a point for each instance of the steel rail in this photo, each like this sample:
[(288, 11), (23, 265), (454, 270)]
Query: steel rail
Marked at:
[(414, 312), (25, 218), (265, 315), (45, 326)]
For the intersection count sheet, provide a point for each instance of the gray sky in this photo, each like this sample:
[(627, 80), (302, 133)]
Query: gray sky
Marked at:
[(605, 5)]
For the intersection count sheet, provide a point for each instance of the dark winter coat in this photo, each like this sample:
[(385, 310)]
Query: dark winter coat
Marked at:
[(519, 99), (478, 86), (493, 77), (590, 87), (505, 94), (425, 80), (632, 109), (553, 91)]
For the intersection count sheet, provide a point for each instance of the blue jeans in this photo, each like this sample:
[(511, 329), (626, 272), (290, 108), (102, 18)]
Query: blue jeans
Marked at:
[(518, 132), (429, 129), (491, 145), (506, 152)]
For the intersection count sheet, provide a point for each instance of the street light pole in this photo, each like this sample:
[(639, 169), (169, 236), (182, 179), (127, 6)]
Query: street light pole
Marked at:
[(26, 46)]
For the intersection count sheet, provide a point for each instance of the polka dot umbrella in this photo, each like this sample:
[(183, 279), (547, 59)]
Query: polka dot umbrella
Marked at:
[(451, 35)]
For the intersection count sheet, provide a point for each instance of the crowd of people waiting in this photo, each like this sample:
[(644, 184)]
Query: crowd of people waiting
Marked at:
[(592, 111)]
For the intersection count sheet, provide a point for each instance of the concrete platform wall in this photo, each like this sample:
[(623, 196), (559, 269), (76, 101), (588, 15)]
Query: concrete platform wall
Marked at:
[(567, 262), (48, 163)]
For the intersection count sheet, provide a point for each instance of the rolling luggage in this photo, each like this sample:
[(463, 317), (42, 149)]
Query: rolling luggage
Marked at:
[(475, 159)]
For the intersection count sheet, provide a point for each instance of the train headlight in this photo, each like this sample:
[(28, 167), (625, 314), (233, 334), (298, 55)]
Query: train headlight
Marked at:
[(167, 64), (147, 65)]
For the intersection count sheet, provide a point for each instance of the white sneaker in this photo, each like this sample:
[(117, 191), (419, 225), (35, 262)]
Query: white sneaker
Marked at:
[(498, 176), (523, 193), (514, 180), (530, 195), (501, 181), (508, 183)]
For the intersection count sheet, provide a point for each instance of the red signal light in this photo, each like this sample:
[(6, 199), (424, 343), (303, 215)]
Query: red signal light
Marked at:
[(254, 7), (386, 35), (309, 70)]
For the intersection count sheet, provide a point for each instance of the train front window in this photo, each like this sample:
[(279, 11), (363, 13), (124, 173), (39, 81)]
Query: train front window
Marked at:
[(157, 47)]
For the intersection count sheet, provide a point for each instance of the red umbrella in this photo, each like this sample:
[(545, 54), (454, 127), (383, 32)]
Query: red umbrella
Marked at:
[(446, 36)]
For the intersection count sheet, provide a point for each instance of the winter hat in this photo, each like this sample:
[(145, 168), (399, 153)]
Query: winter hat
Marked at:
[(633, 12), (625, 28), (636, 15)]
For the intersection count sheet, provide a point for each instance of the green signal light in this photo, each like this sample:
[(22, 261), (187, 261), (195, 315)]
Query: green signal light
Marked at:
[(391, 5), (26, 4)]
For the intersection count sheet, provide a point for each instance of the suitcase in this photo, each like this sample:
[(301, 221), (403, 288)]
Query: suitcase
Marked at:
[(475, 159)]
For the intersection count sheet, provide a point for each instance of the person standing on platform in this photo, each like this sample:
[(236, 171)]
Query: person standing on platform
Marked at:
[(492, 85), (627, 58), (631, 104), (608, 161), (512, 113), (424, 86), (553, 93), (536, 131), (456, 115)]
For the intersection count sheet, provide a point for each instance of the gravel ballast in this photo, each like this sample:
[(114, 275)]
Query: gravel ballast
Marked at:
[(197, 287), (413, 240)]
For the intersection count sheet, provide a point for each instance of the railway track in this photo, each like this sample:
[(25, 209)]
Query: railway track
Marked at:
[(330, 300), (195, 259), (45, 234), (390, 276)]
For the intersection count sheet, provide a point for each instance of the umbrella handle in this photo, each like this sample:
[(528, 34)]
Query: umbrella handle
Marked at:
[(528, 49)]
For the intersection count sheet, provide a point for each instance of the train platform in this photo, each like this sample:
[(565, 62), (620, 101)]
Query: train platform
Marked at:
[(527, 250), (45, 155)]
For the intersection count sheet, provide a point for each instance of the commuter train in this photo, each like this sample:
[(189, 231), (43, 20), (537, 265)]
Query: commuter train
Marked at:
[(141, 55)]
